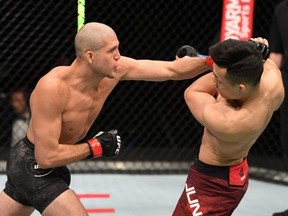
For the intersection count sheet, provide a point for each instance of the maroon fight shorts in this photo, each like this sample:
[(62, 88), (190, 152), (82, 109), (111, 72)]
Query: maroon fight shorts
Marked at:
[(213, 190)]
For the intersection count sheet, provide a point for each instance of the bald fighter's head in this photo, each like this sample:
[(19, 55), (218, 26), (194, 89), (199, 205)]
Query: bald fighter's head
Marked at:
[(91, 37)]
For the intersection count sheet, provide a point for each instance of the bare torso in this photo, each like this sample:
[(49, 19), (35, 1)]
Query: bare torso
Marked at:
[(241, 126), (249, 123), (81, 107)]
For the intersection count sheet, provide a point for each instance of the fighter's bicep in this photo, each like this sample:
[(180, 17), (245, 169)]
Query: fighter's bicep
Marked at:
[(148, 70), (199, 104), (46, 115)]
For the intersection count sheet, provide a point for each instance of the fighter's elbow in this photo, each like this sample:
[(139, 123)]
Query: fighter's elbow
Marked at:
[(188, 94), (43, 161), (44, 164)]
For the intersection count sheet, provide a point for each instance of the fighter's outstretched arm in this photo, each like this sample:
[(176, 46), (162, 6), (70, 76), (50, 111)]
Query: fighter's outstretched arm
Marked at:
[(153, 70)]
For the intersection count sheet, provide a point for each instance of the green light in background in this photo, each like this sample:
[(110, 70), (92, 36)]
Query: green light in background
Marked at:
[(81, 14)]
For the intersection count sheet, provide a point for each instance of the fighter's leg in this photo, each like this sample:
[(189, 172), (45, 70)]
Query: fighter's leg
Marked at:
[(9, 207), (66, 204)]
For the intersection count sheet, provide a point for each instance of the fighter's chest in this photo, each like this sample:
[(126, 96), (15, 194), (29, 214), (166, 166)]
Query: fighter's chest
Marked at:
[(83, 108), (80, 112)]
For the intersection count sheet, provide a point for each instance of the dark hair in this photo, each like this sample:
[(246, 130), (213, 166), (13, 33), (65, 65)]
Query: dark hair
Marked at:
[(244, 63)]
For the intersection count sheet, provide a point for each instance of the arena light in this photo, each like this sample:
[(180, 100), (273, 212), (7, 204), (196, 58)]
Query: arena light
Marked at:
[(81, 14)]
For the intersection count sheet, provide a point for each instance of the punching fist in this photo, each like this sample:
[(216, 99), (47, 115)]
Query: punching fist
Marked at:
[(106, 144), (189, 51), (186, 50)]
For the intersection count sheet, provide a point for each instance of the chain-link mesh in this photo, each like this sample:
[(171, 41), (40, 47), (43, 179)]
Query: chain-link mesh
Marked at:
[(153, 119)]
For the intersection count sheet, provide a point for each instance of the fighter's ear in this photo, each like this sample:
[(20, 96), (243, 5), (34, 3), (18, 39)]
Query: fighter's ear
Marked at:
[(241, 87), (89, 56)]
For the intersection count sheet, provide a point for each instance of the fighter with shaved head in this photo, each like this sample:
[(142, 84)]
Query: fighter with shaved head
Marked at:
[(64, 104)]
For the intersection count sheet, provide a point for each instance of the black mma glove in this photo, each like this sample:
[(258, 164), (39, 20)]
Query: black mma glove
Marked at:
[(186, 50), (106, 144), (190, 51), (262, 48)]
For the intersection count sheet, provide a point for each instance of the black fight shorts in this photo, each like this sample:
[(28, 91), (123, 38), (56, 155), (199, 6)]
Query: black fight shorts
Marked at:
[(30, 185)]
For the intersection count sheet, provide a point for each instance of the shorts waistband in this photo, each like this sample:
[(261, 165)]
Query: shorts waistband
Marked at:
[(213, 171), (27, 141)]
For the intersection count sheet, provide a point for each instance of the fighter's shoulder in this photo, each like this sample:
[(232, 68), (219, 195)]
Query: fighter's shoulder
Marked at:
[(269, 63), (51, 82)]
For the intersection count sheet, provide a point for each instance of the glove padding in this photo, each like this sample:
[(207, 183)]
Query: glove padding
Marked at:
[(106, 144), (189, 51), (264, 49), (186, 50)]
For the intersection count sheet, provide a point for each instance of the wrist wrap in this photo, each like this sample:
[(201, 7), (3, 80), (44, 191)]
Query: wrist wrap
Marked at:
[(209, 62), (95, 148)]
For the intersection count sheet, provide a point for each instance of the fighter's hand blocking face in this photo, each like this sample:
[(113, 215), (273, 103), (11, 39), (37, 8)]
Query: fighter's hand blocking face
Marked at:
[(106, 144), (261, 45)]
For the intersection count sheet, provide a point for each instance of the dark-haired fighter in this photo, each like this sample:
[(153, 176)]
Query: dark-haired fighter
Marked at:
[(248, 91)]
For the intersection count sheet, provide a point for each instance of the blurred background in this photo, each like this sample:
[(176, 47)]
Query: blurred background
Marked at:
[(159, 133)]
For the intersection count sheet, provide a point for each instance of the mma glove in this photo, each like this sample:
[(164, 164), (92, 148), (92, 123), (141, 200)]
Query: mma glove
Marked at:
[(186, 51), (106, 144), (264, 49), (189, 51)]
